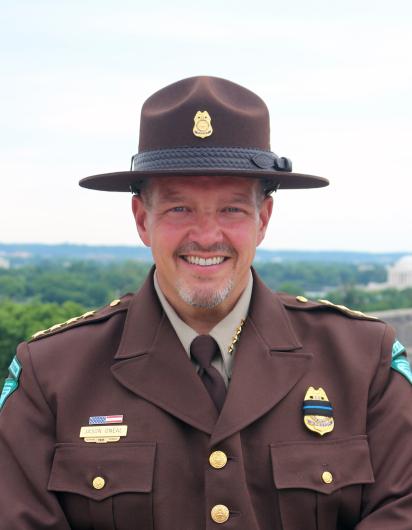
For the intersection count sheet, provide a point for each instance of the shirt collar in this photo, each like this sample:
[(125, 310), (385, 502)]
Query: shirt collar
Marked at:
[(223, 332)]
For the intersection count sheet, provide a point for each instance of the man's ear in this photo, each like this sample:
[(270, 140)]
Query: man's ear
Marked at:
[(140, 214), (265, 212)]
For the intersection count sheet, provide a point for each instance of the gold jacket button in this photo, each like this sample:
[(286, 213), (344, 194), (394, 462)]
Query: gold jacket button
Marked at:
[(220, 513), (98, 483), (218, 459), (327, 477)]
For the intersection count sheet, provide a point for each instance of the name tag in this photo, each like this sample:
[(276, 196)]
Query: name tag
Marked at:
[(103, 433)]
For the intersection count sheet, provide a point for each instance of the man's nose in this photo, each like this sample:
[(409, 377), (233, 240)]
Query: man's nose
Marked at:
[(206, 229)]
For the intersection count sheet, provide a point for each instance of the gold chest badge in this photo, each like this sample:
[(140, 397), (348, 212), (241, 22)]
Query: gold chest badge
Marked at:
[(203, 124), (317, 411)]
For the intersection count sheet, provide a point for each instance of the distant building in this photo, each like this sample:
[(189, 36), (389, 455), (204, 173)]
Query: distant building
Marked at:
[(4, 263), (400, 274)]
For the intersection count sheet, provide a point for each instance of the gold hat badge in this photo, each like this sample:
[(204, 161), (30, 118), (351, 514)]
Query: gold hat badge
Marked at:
[(203, 124), (317, 411)]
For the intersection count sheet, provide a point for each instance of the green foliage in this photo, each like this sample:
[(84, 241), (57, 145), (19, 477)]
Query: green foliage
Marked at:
[(291, 288), (85, 282), (315, 276), (18, 321), (368, 301)]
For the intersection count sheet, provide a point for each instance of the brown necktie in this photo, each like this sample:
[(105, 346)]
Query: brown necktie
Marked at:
[(203, 349)]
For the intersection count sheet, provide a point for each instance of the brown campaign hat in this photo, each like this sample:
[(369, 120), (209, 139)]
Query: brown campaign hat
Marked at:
[(204, 126)]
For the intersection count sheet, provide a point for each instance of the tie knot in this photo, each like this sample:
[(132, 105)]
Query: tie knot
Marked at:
[(203, 349)]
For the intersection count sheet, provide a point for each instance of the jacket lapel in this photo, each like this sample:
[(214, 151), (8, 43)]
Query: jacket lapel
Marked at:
[(268, 363), (152, 363)]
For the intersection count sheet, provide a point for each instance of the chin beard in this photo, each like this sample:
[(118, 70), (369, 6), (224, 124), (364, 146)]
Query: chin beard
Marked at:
[(205, 298)]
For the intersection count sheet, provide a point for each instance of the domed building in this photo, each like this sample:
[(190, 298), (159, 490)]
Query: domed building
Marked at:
[(400, 274)]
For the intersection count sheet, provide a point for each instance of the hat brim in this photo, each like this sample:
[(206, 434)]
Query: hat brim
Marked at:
[(123, 180)]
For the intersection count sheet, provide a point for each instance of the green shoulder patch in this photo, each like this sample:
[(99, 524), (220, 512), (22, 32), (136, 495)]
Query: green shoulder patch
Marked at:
[(12, 382), (400, 362), (10, 385), (15, 368)]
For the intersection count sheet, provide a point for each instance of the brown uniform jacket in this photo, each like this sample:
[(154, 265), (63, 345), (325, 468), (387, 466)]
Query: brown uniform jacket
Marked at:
[(127, 360)]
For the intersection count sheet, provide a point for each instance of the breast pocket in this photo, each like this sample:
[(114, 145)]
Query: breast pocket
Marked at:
[(105, 487), (311, 476)]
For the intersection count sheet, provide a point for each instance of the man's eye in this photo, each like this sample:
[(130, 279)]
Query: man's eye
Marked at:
[(178, 209), (232, 209)]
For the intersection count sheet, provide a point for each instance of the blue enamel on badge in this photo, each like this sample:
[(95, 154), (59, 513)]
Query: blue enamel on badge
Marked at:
[(12, 382), (400, 362)]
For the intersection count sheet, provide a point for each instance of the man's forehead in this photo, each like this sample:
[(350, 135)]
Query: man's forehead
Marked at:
[(168, 186)]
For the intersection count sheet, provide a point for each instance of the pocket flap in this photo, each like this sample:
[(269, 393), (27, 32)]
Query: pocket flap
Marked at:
[(126, 467), (322, 466)]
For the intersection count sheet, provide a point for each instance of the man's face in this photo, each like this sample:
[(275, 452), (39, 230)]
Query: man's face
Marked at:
[(203, 232)]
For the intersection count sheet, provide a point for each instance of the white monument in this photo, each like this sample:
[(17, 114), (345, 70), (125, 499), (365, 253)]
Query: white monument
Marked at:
[(400, 274)]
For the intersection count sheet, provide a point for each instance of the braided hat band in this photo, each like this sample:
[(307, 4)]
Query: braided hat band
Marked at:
[(209, 157)]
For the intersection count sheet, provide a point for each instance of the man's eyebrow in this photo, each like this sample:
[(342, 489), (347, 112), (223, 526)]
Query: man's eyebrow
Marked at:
[(241, 197), (171, 196), (175, 196)]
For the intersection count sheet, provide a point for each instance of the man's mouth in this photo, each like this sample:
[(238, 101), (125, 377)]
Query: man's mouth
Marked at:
[(204, 262)]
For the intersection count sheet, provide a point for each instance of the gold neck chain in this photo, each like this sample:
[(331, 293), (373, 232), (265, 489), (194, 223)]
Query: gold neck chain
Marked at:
[(236, 337)]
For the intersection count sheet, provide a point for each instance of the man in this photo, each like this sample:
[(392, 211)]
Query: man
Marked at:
[(205, 400)]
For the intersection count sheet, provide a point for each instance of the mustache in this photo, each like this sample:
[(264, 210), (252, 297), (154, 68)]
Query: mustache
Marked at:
[(192, 246)]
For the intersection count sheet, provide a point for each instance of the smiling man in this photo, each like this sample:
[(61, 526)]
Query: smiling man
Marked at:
[(203, 233), (205, 400)]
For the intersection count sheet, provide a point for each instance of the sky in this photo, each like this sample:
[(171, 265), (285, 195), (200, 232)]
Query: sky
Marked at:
[(336, 76)]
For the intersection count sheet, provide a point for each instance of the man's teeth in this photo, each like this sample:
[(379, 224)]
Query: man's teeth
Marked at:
[(204, 262)]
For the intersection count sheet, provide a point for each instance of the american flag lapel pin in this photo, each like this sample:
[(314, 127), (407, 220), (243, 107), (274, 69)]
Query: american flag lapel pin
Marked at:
[(106, 420)]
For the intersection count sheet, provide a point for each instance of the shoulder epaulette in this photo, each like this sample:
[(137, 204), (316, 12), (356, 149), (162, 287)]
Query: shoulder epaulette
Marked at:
[(115, 306), (301, 302)]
